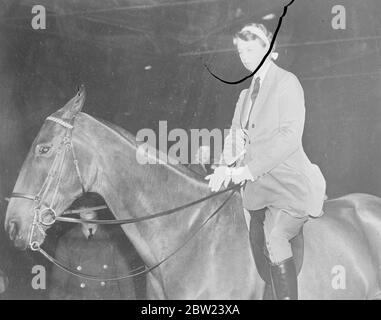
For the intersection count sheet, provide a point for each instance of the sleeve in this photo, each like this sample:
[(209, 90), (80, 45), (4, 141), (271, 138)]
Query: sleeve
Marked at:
[(126, 286), (59, 278), (288, 138), (234, 140)]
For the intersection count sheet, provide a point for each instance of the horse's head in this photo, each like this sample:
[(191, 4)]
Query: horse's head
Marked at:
[(49, 180)]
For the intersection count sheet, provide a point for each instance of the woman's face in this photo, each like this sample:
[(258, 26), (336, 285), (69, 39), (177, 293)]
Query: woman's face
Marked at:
[(251, 53), (88, 215)]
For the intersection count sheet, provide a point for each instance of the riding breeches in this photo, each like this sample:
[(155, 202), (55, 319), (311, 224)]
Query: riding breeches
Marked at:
[(279, 228)]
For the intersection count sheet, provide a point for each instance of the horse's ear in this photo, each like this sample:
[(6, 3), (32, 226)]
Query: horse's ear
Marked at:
[(75, 104)]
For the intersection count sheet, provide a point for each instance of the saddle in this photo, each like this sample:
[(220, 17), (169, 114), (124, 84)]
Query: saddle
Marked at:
[(259, 250)]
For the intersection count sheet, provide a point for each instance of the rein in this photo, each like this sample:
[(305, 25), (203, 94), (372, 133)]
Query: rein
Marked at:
[(134, 220), (41, 209), (147, 269)]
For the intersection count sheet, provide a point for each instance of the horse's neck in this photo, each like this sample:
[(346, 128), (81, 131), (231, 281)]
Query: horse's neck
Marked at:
[(134, 190), (150, 191)]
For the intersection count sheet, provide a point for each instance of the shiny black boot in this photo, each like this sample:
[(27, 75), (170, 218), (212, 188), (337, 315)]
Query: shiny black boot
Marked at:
[(284, 280)]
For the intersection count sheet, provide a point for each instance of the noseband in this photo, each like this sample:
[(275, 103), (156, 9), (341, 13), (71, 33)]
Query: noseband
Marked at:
[(45, 214)]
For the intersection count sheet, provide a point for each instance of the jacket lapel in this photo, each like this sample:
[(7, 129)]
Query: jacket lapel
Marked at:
[(246, 104)]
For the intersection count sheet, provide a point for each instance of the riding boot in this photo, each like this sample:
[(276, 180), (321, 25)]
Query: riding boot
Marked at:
[(284, 280)]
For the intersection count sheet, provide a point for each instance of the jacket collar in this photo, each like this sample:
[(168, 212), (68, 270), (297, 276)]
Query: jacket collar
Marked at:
[(85, 229)]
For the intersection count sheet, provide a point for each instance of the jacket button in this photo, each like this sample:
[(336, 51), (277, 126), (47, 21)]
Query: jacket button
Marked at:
[(105, 266), (103, 283), (253, 125), (79, 268), (82, 285)]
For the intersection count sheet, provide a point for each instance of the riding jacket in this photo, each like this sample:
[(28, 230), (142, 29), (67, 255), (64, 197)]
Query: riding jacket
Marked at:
[(284, 176)]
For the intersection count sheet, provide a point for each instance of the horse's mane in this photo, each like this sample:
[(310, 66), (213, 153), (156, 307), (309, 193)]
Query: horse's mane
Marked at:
[(130, 138)]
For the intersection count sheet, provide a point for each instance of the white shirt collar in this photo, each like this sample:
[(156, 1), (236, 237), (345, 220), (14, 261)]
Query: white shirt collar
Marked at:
[(263, 71), (86, 227)]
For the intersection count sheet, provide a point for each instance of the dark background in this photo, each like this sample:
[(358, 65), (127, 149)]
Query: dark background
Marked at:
[(143, 61)]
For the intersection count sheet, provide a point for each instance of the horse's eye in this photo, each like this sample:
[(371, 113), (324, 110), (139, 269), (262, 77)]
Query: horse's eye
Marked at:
[(43, 149)]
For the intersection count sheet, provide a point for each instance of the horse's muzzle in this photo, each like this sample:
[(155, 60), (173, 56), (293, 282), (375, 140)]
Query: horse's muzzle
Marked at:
[(13, 229)]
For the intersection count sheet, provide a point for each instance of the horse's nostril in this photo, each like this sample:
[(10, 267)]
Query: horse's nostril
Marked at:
[(12, 229)]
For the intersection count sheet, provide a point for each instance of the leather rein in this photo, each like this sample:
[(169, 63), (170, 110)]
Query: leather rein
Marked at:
[(45, 214)]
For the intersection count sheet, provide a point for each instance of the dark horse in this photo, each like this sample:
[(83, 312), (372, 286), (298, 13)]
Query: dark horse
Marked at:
[(342, 249)]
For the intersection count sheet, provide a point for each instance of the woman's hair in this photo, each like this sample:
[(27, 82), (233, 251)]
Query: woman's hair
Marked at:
[(246, 35)]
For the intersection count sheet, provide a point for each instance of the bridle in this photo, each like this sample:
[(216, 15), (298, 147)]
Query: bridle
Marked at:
[(45, 215)]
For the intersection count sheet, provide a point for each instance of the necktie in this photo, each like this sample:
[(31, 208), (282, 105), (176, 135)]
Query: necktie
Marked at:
[(246, 111), (90, 233)]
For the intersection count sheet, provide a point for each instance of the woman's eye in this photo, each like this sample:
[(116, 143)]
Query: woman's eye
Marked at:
[(43, 149)]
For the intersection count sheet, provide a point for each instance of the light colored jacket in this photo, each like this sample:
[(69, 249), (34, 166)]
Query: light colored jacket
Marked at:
[(284, 176)]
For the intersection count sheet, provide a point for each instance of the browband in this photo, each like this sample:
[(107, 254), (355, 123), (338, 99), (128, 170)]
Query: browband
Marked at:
[(60, 121)]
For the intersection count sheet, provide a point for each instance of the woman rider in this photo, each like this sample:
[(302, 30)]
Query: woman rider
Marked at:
[(264, 149)]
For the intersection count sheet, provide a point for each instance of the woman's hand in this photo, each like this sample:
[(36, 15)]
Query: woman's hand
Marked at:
[(241, 174), (221, 175)]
